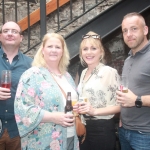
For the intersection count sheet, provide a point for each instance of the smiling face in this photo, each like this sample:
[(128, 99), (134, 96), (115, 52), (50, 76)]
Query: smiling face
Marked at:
[(134, 32), (91, 53), (52, 50), (10, 35)]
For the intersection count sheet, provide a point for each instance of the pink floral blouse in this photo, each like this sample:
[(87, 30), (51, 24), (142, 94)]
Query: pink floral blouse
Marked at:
[(37, 92)]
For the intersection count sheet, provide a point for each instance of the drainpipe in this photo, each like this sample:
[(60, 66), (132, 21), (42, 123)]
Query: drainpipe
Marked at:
[(42, 18)]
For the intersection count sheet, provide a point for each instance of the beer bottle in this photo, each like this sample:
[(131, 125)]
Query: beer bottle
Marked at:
[(68, 107)]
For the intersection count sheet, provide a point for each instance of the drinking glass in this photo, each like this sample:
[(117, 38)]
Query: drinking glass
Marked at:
[(81, 99), (74, 101), (6, 79), (124, 84)]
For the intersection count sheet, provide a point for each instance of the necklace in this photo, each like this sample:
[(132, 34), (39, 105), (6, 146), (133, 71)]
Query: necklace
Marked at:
[(55, 74)]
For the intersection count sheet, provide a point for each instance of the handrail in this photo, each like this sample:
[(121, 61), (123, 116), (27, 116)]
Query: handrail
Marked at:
[(35, 16), (53, 6)]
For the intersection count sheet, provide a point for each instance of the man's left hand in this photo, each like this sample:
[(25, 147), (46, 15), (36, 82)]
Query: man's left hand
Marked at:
[(126, 99)]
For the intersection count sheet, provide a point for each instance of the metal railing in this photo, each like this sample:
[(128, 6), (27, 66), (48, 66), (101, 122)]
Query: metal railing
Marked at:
[(43, 17)]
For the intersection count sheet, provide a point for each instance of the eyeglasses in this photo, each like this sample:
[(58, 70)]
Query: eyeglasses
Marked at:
[(93, 36), (12, 31)]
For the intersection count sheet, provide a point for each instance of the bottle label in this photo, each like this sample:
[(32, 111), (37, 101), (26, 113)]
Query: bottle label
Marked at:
[(69, 112)]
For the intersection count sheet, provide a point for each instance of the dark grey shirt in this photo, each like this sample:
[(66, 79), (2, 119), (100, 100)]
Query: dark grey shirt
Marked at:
[(137, 69)]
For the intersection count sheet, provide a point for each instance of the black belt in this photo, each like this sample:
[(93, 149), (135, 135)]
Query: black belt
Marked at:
[(90, 117)]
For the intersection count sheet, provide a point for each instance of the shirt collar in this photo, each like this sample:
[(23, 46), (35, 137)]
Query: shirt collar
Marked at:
[(96, 69), (3, 54)]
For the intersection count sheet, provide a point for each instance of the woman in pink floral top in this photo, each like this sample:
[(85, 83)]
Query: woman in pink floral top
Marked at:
[(39, 102)]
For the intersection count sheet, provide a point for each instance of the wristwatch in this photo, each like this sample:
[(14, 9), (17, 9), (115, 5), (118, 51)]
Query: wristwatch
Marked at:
[(138, 102)]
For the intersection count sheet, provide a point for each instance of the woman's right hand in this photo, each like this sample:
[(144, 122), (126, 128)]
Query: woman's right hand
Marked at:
[(86, 108), (65, 120)]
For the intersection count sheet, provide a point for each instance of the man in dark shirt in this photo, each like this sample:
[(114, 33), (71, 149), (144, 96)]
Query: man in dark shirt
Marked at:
[(10, 59), (134, 132)]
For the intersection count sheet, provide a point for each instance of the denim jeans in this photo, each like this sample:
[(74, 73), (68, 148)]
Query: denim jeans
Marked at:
[(134, 140), (100, 135)]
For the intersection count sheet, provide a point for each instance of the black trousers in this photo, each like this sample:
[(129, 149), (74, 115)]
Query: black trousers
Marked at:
[(100, 135)]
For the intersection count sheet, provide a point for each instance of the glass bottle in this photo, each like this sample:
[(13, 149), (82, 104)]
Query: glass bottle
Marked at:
[(68, 107)]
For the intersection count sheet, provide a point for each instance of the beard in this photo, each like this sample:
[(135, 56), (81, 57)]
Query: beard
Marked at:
[(135, 43)]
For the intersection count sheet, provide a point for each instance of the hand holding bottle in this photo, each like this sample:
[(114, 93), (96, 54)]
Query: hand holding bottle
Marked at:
[(65, 120)]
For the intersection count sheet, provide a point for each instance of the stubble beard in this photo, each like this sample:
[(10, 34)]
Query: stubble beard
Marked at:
[(136, 44)]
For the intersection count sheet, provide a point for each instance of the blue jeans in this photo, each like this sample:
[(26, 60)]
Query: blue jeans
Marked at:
[(134, 140)]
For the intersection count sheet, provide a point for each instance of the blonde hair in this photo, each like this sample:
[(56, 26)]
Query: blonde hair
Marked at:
[(39, 60), (95, 42)]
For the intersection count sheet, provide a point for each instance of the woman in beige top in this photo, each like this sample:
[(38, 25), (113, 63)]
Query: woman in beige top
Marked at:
[(98, 84)]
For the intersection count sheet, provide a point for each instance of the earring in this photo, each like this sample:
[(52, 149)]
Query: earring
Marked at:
[(101, 58)]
